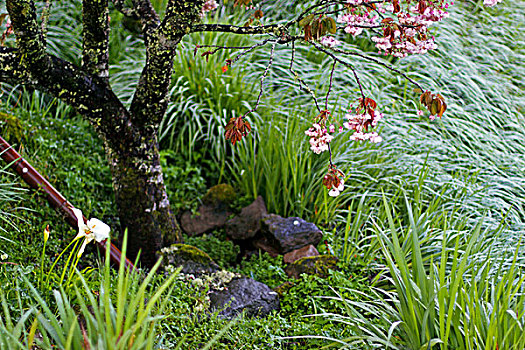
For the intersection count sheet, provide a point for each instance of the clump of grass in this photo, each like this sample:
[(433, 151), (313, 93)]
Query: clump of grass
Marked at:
[(460, 297)]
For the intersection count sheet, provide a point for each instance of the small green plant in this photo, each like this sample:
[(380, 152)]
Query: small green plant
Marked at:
[(122, 313), (223, 252), (184, 181), (94, 230), (265, 269)]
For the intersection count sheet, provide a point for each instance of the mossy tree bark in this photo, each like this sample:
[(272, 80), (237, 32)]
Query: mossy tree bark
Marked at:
[(130, 135)]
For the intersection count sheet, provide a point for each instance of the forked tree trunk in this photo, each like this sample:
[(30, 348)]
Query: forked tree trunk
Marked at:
[(129, 134)]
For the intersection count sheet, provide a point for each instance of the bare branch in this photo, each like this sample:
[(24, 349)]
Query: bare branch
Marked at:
[(276, 29), (263, 77), (302, 84), (375, 60), (95, 51), (330, 85), (250, 49), (330, 52)]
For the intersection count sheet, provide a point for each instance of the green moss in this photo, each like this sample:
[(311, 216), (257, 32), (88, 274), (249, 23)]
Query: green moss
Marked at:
[(10, 127), (190, 259), (314, 265), (222, 193), (188, 252)]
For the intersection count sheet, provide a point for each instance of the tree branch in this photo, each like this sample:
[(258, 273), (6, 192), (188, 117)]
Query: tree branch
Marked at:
[(95, 51), (276, 29), (147, 15), (90, 95), (151, 97), (28, 36)]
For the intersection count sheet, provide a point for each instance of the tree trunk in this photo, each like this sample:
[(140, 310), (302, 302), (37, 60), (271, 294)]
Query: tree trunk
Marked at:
[(142, 200)]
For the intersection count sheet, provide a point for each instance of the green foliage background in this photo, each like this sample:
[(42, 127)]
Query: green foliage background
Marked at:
[(443, 181)]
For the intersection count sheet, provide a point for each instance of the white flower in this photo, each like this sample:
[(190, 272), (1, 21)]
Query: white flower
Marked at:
[(4, 256), (336, 191), (94, 230)]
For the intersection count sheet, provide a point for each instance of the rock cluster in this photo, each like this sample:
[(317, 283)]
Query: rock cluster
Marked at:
[(253, 229)]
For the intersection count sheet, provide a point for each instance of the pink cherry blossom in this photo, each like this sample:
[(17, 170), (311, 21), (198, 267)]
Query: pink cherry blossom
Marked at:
[(319, 138), (208, 6), (329, 41)]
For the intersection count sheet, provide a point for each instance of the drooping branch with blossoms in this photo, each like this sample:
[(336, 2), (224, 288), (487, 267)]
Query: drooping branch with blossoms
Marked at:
[(398, 28)]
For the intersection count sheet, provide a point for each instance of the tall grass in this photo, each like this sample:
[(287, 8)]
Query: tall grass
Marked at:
[(10, 194), (124, 313), (460, 297)]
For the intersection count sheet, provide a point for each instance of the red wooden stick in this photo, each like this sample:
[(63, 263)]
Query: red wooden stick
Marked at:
[(34, 179)]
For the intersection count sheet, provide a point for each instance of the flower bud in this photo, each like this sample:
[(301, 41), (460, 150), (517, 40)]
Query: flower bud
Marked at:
[(46, 233)]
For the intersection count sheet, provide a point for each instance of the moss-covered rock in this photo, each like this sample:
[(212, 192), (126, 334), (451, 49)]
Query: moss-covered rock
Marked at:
[(312, 265), (191, 259), (219, 194)]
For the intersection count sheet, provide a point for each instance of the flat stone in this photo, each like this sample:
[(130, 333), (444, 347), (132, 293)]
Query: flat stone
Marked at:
[(248, 223), (297, 254), (244, 295), (209, 217), (314, 265), (287, 234), (192, 260)]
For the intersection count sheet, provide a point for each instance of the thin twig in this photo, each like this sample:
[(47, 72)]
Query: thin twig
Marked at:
[(302, 83), (250, 49), (346, 64), (375, 60), (330, 86), (263, 77)]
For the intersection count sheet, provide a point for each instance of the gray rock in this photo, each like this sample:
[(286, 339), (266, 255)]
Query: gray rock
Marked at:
[(248, 223), (288, 234), (244, 294)]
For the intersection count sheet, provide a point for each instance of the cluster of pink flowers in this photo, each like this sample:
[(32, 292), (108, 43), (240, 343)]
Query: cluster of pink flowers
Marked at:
[(360, 120), (356, 20), (490, 2), (356, 2), (360, 123), (406, 32), (208, 6), (402, 48), (319, 138), (329, 41)]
